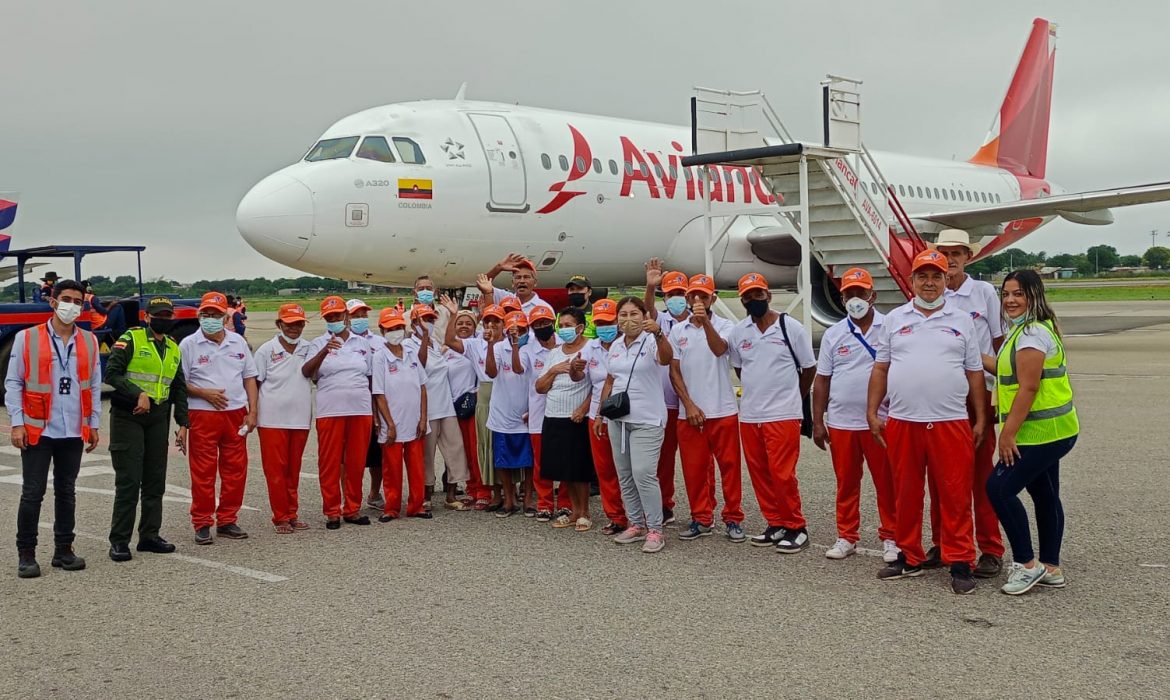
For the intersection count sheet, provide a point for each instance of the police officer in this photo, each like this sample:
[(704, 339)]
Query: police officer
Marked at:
[(144, 370), (581, 297)]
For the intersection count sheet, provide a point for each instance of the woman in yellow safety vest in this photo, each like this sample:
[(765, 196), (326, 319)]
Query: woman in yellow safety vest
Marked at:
[(1038, 427)]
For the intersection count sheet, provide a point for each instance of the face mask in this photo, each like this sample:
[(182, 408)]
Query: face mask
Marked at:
[(630, 326), (290, 341), (67, 312), (396, 336), (543, 334), (162, 325), (676, 305), (426, 296), (577, 299), (567, 334), (857, 308), (1019, 320), (359, 325), (607, 334), (335, 327), (211, 326), (930, 305), (521, 341), (756, 308)]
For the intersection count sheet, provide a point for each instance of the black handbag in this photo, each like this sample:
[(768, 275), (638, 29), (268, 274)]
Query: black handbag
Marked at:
[(618, 405), (805, 400), (465, 405)]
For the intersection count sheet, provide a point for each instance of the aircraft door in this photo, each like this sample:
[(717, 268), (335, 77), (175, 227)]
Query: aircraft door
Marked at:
[(508, 181)]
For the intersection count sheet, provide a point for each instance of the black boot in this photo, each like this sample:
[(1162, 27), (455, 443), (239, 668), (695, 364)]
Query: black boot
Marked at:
[(28, 567), (64, 558)]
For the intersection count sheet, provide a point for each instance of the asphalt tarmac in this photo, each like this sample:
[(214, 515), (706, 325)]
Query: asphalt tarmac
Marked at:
[(471, 606)]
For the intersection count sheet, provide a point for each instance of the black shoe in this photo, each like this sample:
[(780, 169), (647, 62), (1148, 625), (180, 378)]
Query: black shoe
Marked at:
[(360, 520), (386, 518), (64, 558), (667, 516), (792, 541), (231, 532), (988, 566), (543, 516), (120, 552), (768, 538), (425, 515), (529, 512), (155, 545), (962, 582), (28, 566), (899, 569), (203, 535), (332, 524), (933, 558)]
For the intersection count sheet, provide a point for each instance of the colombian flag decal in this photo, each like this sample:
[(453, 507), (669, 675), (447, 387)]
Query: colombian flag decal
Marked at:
[(414, 189)]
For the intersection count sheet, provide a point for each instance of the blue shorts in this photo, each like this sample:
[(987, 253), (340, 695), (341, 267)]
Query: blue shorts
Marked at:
[(512, 450)]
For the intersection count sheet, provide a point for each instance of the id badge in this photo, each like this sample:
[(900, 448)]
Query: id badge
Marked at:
[(65, 386)]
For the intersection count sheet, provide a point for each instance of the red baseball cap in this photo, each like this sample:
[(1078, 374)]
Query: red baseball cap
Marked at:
[(929, 258), (856, 277), (214, 300), (750, 281), (291, 313), (674, 281)]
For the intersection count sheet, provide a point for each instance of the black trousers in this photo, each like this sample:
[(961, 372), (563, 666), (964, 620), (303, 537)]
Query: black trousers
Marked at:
[(64, 454), (138, 449)]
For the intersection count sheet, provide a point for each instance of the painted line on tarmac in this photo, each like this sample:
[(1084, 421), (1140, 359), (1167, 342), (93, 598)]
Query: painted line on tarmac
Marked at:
[(184, 497), (231, 568), (86, 457)]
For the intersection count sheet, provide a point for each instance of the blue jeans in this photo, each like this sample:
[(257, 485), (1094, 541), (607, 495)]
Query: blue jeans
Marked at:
[(1038, 470)]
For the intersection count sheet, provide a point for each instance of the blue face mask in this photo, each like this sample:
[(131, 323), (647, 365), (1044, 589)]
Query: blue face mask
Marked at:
[(211, 326), (335, 327), (567, 334), (359, 325), (426, 296), (1019, 320), (521, 341), (676, 305), (607, 334)]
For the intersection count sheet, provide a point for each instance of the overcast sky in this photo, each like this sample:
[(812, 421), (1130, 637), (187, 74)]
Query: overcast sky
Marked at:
[(145, 122)]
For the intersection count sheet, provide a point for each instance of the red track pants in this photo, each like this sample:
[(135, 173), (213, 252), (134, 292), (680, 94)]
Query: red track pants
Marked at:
[(394, 455), (848, 448), (216, 448), (281, 450), (667, 457), (607, 479), (342, 442), (987, 534), (771, 451), (944, 450), (716, 442), (475, 487)]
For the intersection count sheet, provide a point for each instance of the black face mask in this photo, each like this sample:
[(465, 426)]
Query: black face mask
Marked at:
[(577, 299), (543, 334), (162, 325), (756, 308)]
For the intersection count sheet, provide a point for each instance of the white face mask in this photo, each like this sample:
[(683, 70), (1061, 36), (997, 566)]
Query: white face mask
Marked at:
[(395, 337), (67, 312), (930, 305), (290, 341), (857, 308)]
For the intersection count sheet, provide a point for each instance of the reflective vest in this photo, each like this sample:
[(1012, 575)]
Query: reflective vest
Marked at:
[(39, 389), (1053, 416), (149, 372), (96, 320)]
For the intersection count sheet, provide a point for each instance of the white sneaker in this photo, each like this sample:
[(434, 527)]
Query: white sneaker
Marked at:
[(842, 549), (890, 551)]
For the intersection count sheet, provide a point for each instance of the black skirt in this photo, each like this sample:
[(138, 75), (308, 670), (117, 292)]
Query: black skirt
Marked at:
[(565, 454)]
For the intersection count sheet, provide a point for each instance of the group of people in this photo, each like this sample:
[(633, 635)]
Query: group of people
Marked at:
[(530, 405)]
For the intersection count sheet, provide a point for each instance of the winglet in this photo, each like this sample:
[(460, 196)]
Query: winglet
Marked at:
[(7, 217), (462, 92)]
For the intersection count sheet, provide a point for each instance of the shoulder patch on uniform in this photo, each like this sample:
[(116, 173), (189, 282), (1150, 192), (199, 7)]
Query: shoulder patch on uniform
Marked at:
[(121, 344)]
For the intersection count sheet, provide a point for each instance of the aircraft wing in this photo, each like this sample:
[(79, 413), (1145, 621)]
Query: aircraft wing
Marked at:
[(8, 272), (1066, 205)]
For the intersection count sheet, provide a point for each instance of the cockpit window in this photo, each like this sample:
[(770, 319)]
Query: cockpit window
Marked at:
[(328, 149), (376, 148), (409, 151)]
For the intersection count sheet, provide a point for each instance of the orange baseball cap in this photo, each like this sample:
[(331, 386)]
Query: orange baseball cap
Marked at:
[(421, 310), (525, 262), (390, 317), (541, 313), (332, 305), (514, 319), (674, 281), (510, 303), (291, 313), (929, 258), (750, 281), (214, 300), (856, 277), (605, 310), (701, 283), (493, 310)]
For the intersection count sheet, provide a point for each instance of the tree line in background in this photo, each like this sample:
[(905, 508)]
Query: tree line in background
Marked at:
[(1099, 259)]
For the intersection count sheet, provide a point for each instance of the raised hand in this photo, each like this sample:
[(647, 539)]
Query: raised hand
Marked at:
[(448, 303), (651, 327), (699, 315), (653, 272), (484, 283)]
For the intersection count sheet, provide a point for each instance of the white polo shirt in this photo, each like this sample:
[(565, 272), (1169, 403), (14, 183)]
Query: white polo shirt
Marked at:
[(845, 360), (647, 404), (708, 378), (461, 372), (771, 383), (668, 324), (286, 395), (211, 365), (565, 396), (594, 355), (475, 350), (343, 379), (401, 382), (440, 402), (509, 393), (534, 301), (929, 358), (982, 304), (535, 357)]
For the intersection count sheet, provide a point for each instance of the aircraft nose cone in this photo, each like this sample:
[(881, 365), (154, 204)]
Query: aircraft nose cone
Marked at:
[(276, 217)]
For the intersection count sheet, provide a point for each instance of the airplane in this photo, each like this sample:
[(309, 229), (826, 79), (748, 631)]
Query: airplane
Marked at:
[(448, 187), (7, 221)]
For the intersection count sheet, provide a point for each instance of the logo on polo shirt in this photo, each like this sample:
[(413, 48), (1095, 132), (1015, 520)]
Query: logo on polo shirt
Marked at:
[(683, 342), (905, 330), (277, 356), (953, 331), (975, 315), (394, 368), (203, 360), (539, 364), (593, 362), (843, 350), (238, 356), (745, 345)]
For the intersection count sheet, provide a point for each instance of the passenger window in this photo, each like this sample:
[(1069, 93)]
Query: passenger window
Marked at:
[(919, 191), (658, 171), (901, 191), (997, 199), (673, 173), (944, 194), (596, 166), (375, 148), (408, 151), (329, 149), (936, 193), (687, 174), (629, 167), (644, 169), (581, 167), (983, 196), (954, 196), (969, 197), (739, 177), (546, 161), (613, 169), (564, 163)]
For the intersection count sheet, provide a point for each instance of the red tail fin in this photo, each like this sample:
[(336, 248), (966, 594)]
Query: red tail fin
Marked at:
[(1018, 140)]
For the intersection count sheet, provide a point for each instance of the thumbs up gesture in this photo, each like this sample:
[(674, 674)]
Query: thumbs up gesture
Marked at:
[(577, 364), (699, 314)]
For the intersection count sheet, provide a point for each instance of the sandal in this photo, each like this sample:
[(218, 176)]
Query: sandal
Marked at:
[(562, 521), (613, 529), (481, 504), (584, 524), (283, 528), (298, 524), (455, 505)]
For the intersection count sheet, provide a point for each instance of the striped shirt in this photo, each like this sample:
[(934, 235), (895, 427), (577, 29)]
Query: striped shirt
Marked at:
[(566, 395)]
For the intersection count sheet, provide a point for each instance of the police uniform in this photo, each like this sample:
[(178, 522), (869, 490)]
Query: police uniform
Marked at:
[(142, 363)]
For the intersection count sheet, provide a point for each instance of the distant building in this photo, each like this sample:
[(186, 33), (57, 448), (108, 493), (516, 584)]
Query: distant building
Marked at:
[(1139, 270), (1057, 273), (293, 291)]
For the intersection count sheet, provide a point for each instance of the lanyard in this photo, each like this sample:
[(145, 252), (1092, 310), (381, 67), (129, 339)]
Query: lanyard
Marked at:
[(861, 339), (63, 362)]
